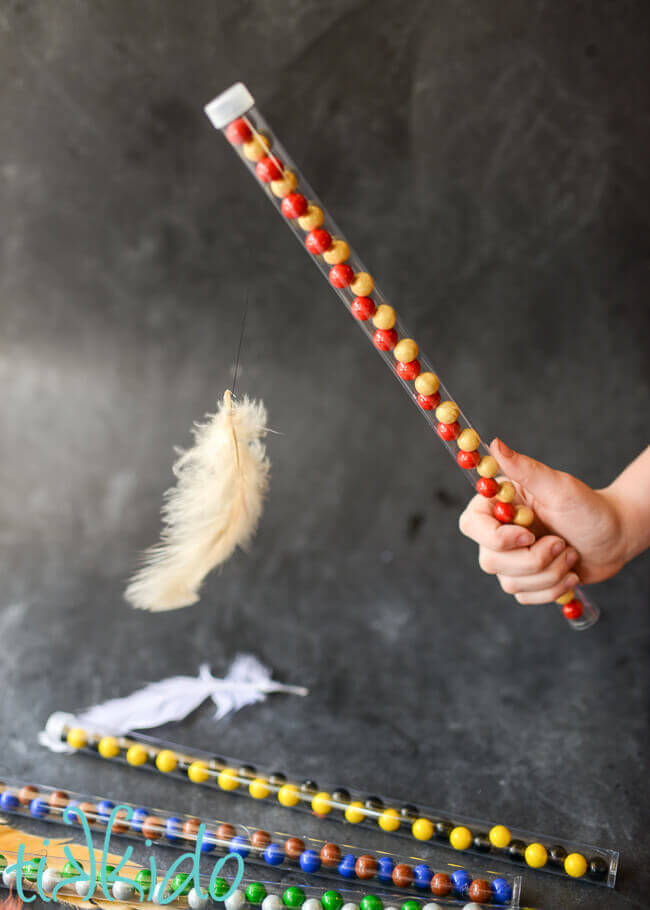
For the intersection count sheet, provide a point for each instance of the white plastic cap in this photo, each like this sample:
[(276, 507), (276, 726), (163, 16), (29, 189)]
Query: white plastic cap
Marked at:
[(57, 723), (229, 105)]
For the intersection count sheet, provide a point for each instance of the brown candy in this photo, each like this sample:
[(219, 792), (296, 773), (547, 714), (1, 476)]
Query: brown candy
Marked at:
[(58, 799), (120, 823), (191, 828), (260, 839), (152, 827), (293, 847), (480, 890), (90, 811), (441, 885), (225, 832), (330, 855), (26, 795), (402, 875), (366, 867)]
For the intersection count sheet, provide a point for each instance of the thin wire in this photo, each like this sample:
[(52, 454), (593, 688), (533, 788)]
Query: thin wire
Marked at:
[(239, 346)]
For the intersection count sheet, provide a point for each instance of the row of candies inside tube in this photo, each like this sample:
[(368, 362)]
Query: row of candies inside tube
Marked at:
[(283, 182)]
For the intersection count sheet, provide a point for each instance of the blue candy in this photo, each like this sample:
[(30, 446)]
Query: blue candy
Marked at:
[(240, 845), (346, 866), (8, 801), (385, 867), (461, 880), (173, 829), (39, 808), (104, 809), (70, 814), (274, 855), (502, 890), (422, 876), (138, 817), (309, 861), (208, 842)]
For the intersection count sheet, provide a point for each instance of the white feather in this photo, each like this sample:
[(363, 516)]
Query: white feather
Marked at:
[(215, 506)]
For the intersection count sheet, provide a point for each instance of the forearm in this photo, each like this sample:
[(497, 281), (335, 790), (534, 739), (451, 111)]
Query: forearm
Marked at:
[(630, 496)]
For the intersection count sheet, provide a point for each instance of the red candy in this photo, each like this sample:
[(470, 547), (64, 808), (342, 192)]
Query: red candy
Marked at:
[(268, 169), (238, 131), (468, 460), (363, 308), (341, 275), (385, 339), (487, 486), (408, 370), (504, 512), (448, 431), (429, 402), (294, 205), (318, 241), (573, 610)]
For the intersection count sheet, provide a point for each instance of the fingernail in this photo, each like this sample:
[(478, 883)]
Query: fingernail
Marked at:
[(525, 540), (503, 448), (571, 557), (571, 579), (557, 548)]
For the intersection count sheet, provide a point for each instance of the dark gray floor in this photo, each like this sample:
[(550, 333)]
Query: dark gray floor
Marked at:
[(490, 163)]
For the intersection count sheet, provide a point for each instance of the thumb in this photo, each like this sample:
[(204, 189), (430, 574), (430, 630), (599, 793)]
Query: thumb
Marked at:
[(536, 478)]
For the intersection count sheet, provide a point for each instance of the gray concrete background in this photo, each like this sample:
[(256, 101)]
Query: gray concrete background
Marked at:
[(489, 162)]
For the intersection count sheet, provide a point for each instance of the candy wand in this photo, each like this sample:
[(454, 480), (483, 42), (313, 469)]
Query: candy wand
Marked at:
[(233, 112)]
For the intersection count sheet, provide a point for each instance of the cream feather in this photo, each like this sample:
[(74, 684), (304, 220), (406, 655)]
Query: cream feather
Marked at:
[(214, 508)]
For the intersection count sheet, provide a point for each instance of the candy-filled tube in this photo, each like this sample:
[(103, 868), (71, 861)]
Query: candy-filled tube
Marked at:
[(234, 113), (49, 877), (487, 838), (214, 838)]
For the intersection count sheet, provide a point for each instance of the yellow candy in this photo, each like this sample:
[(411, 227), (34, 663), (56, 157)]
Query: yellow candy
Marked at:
[(362, 284), (487, 466), (460, 838), (523, 516), (337, 253), (198, 772), (427, 384), (256, 147), (468, 440), (286, 185), (447, 412), (422, 829), (259, 788), (76, 738), (322, 804), (136, 755), (406, 350), (536, 856), (389, 820), (313, 218), (108, 747), (227, 779), (289, 795), (566, 598), (384, 317), (354, 813), (575, 865), (166, 761), (506, 491), (499, 836)]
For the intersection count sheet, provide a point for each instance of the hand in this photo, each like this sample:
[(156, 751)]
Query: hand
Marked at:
[(579, 532)]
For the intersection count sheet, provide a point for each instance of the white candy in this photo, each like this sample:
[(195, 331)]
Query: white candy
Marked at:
[(272, 902), (160, 892), (472, 907), (312, 904), (9, 878), (49, 880), (432, 907), (122, 891), (82, 888), (349, 907), (236, 900), (195, 900), (395, 908)]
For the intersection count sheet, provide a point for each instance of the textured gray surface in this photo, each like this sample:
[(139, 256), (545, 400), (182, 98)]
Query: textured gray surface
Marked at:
[(489, 161)]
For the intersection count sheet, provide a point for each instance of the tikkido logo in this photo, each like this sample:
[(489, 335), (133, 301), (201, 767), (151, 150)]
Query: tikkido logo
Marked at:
[(160, 892)]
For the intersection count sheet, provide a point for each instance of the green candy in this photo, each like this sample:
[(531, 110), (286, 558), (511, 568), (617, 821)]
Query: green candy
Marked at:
[(331, 900), (220, 887), (72, 870), (143, 877), (30, 870), (293, 897), (371, 902), (3, 862), (182, 880), (255, 893), (410, 905)]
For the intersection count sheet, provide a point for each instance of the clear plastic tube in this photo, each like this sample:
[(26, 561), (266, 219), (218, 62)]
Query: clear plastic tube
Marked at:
[(234, 113), (464, 834), (304, 855)]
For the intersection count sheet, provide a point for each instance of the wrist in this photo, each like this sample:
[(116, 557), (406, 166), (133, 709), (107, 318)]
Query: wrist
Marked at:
[(627, 520)]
